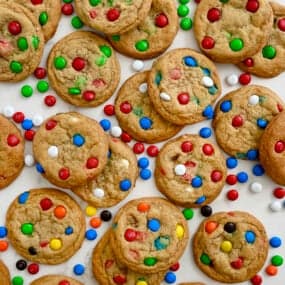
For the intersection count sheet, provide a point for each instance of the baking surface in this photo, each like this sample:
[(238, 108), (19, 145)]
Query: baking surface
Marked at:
[(256, 203)]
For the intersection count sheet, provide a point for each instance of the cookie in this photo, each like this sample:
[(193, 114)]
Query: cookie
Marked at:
[(194, 167), (112, 17), (21, 42), (272, 147), (153, 36), (241, 117), (136, 114), (108, 271), (230, 31), (55, 280), (47, 12), (45, 225), (4, 274), (70, 149), (149, 235), (117, 179), (83, 69), (182, 86), (230, 247), (12, 147), (269, 62)]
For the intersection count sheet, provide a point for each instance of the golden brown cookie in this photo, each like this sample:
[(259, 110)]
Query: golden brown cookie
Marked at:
[(272, 149), (230, 247), (112, 16), (47, 12), (4, 274), (55, 280), (153, 36), (21, 42), (12, 147), (45, 225), (182, 85), (230, 31), (108, 271), (269, 62), (149, 235), (70, 149), (136, 114), (190, 171), (83, 69), (241, 117), (117, 179)]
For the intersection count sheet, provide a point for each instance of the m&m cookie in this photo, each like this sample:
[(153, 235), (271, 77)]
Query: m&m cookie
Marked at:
[(12, 152), (45, 225), (241, 117), (190, 171), (136, 114), (230, 31), (83, 69), (151, 37), (70, 149), (112, 17), (269, 61), (149, 235), (230, 247), (21, 42), (108, 271), (117, 179), (4, 274), (55, 280)]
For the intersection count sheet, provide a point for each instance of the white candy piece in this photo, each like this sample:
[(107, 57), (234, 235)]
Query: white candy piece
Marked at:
[(207, 81), (138, 65), (180, 169), (8, 111), (37, 120), (116, 131), (29, 160), (232, 79), (256, 187), (143, 87), (98, 192), (275, 206), (253, 100), (164, 96), (53, 151)]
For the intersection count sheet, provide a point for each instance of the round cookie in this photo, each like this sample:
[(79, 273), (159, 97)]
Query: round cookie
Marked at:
[(230, 31), (21, 42), (12, 147), (83, 69), (112, 17), (241, 117), (115, 182), (136, 114), (230, 247), (149, 235), (70, 149), (182, 85), (55, 280), (153, 36), (108, 271), (45, 225), (194, 167), (47, 12), (272, 147), (269, 62), (4, 274)]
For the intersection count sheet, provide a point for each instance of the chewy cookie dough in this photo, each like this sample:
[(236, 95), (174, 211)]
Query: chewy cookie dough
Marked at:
[(45, 225), (230, 247), (55, 280)]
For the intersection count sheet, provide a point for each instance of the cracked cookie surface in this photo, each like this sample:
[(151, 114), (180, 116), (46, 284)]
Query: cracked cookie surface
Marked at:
[(4, 274), (45, 225), (55, 280), (70, 149), (230, 247)]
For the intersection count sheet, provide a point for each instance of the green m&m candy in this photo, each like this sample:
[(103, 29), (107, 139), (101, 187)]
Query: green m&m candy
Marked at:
[(16, 66), (22, 44), (269, 52), (43, 18), (59, 62), (142, 45), (27, 229), (236, 44)]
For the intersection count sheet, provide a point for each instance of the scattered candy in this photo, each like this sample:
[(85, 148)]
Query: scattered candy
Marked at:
[(188, 213), (79, 269), (275, 242), (138, 65), (116, 131), (232, 195), (279, 193), (232, 80), (206, 211), (256, 187), (170, 278), (91, 234), (8, 111), (145, 174), (21, 264), (143, 162), (33, 268), (106, 216), (271, 270), (275, 206), (232, 162)]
